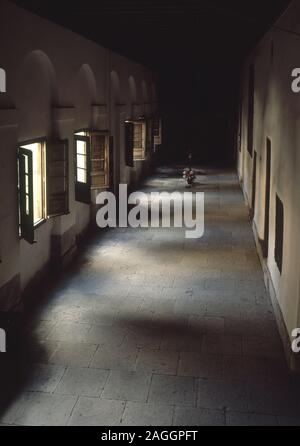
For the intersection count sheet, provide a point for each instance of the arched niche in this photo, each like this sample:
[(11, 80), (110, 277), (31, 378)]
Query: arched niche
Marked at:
[(85, 95), (153, 92), (132, 89), (145, 93), (36, 94), (115, 87)]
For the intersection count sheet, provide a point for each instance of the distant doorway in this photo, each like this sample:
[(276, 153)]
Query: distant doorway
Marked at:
[(265, 243), (254, 185)]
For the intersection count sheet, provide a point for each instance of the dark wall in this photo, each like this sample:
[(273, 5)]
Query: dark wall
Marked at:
[(200, 114)]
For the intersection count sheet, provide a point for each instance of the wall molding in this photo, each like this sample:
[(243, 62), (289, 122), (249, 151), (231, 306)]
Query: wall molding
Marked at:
[(99, 109), (63, 113)]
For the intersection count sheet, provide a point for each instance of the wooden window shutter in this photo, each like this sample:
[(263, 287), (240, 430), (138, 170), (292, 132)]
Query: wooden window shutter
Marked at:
[(82, 170), (26, 195), (139, 140), (157, 131), (129, 143), (57, 156), (99, 160), (153, 135), (156, 126), (111, 162), (149, 135)]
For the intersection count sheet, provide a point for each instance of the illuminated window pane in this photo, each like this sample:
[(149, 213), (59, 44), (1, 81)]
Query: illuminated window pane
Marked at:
[(81, 175), (27, 205), (81, 161), (38, 183), (81, 147)]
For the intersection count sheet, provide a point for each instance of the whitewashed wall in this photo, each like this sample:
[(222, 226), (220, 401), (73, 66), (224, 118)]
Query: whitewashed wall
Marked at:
[(276, 116), (57, 83)]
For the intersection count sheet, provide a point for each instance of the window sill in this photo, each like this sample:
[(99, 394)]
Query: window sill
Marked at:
[(36, 226), (40, 223)]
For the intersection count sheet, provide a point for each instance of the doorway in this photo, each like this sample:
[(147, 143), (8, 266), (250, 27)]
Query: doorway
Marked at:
[(253, 185), (265, 244)]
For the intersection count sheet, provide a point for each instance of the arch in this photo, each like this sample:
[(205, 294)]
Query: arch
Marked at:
[(87, 80), (36, 94), (85, 94), (153, 92), (115, 87), (145, 94), (132, 89)]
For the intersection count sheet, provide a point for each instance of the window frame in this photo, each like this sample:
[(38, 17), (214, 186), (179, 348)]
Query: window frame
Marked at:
[(22, 145), (83, 138), (157, 131), (47, 191), (143, 123), (106, 159), (83, 191)]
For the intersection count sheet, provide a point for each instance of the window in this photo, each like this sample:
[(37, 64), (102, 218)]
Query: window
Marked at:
[(43, 183), (100, 161), (82, 154), (149, 135), (157, 131), (38, 174), (279, 233), (32, 182), (139, 141), (135, 141), (129, 133), (92, 163)]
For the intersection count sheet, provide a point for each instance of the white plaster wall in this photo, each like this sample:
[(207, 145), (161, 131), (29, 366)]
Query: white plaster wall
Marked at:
[(277, 116), (59, 82)]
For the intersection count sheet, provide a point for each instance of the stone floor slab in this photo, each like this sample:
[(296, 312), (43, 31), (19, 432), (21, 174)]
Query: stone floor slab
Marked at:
[(127, 386), (173, 390), (97, 412), (82, 381), (144, 414)]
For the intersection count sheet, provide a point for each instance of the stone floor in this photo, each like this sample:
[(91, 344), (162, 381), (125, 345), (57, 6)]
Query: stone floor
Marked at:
[(149, 328)]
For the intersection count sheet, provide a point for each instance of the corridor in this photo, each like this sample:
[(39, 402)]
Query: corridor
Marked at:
[(149, 328)]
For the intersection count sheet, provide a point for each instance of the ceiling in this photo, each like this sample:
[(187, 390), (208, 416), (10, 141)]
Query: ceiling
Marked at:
[(166, 33)]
